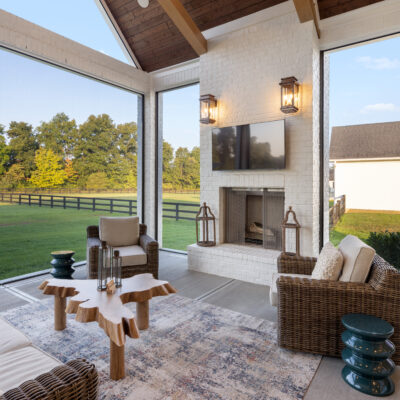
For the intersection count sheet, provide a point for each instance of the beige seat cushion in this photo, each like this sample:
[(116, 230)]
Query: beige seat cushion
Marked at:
[(273, 290), (11, 338), (132, 255), (20, 365), (358, 258), (119, 231), (329, 264)]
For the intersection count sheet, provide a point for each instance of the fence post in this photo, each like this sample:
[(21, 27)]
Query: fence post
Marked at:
[(111, 206), (64, 203), (51, 201), (177, 211), (40, 200), (29, 199), (130, 207), (79, 203), (94, 203), (19, 199)]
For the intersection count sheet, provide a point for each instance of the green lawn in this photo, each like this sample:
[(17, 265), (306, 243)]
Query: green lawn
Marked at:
[(361, 224), (29, 234)]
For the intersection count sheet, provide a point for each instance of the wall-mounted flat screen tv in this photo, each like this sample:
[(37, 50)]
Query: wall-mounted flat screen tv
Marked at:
[(252, 146)]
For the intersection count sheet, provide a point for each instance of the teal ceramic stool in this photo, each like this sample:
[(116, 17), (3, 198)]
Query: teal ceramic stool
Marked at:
[(367, 354), (62, 264)]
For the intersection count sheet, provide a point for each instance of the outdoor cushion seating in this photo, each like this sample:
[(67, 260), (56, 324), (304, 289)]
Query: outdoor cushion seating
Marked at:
[(329, 263), (309, 310), (139, 251), (26, 372), (358, 258)]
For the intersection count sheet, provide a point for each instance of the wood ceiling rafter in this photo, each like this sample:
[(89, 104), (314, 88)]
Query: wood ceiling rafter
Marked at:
[(330, 8), (306, 12), (185, 24)]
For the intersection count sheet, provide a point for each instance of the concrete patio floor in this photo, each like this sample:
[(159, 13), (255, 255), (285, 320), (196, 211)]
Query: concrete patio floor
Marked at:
[(228, 293)]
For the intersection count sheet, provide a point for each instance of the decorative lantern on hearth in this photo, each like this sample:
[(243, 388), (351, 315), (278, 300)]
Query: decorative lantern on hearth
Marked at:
[(290, 233), (205, 226), (289, 95), (103, 270)]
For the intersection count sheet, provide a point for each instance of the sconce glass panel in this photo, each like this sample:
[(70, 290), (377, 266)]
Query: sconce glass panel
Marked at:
[(289, 95), (208, 109)]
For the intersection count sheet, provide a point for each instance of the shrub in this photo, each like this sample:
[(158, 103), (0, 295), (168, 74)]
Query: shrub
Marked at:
[(98, 180), (387, 245)]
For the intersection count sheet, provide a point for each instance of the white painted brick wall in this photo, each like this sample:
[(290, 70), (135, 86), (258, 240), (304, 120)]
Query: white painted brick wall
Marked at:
[(243, 69)]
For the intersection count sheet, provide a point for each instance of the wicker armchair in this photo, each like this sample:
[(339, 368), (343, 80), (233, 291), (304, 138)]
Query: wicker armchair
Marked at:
[(149, 245), (309, 310), (75, 380)]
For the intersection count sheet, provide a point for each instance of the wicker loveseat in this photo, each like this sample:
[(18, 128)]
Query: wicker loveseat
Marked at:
[(309, 310), (149, 246), (28, 373)]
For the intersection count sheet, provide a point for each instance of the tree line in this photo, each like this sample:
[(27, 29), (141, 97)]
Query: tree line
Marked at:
[(97, 154)]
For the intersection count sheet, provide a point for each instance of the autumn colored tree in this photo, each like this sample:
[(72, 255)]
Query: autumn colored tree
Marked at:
[(49, 171), (70, 173), (14, 177)]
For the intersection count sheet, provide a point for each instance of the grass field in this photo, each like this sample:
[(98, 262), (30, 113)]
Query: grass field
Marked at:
[(29, 234), (361, 224)]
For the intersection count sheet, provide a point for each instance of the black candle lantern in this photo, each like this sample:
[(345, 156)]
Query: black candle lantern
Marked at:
[(289, 95), (205, 221), (116, 269), (208, 109), (103, 267)]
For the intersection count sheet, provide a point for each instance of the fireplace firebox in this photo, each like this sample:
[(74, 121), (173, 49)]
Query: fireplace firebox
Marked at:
[(254, 217)]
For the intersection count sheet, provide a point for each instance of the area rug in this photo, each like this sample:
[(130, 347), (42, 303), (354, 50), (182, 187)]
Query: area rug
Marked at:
[(192, 350)]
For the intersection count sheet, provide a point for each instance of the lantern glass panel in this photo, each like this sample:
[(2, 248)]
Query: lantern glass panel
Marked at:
[(116, 268), (204, 109)]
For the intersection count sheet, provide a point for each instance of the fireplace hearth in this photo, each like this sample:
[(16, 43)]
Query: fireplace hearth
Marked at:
[(254, 217)]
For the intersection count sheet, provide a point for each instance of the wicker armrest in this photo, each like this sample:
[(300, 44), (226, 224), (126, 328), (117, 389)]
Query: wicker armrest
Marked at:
[(75, 380), (148, 244), (292, 264)]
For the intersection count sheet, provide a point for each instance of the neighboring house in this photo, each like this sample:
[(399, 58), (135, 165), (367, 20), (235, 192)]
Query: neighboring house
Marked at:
[(367, 165)]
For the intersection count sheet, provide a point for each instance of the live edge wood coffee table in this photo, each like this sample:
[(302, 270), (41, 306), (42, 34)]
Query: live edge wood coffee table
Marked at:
[(108, 310)]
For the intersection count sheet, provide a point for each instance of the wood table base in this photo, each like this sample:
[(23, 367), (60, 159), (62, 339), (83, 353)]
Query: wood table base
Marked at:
[(142, 315), (117, 361), (60, 316)]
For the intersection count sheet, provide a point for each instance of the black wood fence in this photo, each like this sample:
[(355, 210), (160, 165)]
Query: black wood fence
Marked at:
[(177, 211)]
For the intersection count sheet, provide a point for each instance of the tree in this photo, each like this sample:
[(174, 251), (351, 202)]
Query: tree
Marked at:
[(58, 134), (98, 180), (14, 177), (22, 145), (70, 174), (4, 152), (49, 171)]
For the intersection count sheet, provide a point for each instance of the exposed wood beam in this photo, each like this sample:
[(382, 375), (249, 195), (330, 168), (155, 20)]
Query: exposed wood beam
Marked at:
[(182, 20), (306, 12), (103, 6)]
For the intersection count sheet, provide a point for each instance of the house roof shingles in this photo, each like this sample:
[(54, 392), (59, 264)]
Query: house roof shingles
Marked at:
[(365, 141)]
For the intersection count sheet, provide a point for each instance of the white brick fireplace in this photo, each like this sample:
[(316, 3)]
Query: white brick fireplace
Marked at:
[(243, 70)]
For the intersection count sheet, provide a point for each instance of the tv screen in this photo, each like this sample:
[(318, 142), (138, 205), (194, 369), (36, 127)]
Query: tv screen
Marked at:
[(253, 146)]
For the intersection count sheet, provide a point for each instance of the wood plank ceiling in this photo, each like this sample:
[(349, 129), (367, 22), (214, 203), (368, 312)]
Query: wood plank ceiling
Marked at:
[(330, 8), (156, 41)]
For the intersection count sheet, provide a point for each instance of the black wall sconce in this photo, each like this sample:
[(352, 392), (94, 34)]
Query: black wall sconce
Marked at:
[(289, 95), (208, 109)]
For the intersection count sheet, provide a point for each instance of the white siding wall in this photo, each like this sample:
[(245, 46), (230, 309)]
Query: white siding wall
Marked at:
[(371, 185)]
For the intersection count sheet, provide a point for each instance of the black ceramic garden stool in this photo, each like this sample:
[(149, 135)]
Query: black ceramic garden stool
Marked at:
[(367, 354), (62, 264)]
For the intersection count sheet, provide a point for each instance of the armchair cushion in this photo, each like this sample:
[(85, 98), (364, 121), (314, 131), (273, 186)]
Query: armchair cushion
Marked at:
[(119, 231), (358, 258), (273, 291), (11, 338), (132, 255), (329, 263), (23, 364)]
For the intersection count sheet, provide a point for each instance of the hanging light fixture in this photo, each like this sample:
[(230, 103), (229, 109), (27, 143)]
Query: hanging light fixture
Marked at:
[(143, 3), (289, 95), (208, 109)]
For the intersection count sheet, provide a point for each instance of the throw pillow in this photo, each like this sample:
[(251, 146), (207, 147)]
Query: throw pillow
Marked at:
[(329, 264)]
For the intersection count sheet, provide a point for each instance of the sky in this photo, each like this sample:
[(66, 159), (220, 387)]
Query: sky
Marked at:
[(364, 80), (365, 84)]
